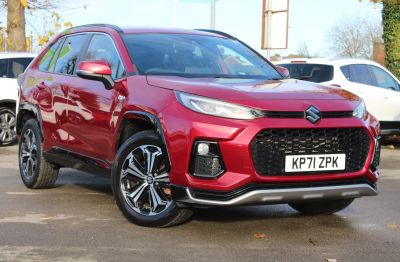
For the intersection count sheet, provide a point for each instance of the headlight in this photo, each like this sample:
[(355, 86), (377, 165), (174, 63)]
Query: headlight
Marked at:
[(214, 107), (360, 110)]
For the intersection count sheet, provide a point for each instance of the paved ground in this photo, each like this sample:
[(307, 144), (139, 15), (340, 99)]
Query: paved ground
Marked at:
[(78, 221)]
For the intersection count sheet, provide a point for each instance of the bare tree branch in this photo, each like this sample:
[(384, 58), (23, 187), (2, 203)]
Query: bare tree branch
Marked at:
[(354, 37)]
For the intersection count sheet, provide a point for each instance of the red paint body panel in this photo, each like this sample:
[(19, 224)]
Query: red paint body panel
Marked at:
[(81, 116)]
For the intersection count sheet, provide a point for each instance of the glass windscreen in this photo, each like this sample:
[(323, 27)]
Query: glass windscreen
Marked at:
[(189, 55)]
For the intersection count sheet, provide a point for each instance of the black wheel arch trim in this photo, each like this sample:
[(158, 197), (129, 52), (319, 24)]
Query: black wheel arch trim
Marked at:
[(26, 106), (156, 123)]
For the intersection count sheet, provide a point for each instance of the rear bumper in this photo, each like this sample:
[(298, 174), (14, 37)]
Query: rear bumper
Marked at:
[(273, 196)]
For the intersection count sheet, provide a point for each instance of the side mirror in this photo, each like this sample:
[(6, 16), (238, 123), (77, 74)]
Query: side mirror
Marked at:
[(98, 70), (283, 71)]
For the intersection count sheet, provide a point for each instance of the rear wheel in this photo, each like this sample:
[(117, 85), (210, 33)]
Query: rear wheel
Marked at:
[(8, 135), (325, 207), (35, 171), (141, 185)]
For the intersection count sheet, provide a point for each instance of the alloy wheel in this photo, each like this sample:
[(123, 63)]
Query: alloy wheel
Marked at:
[(29, 153), (7, 128), (144, 181)]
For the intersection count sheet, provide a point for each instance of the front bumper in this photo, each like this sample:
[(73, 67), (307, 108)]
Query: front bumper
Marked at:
[(187, 196), (234, 138)]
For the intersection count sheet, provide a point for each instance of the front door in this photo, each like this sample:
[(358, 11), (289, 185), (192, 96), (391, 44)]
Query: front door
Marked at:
[(92, 108)]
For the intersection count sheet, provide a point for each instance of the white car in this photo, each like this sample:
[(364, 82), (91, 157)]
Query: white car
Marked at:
[(379, 88), (11, 66)]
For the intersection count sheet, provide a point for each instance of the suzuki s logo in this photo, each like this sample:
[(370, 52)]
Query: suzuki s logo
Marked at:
[(312, 114)]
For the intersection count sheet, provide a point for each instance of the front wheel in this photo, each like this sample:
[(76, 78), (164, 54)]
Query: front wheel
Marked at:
[(325, 207), (141, 185)]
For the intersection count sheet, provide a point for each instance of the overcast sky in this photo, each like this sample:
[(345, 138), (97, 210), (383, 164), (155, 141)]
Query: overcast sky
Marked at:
[(309, 20)]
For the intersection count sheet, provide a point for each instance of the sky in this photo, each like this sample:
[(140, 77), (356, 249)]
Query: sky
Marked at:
[(309, 20)]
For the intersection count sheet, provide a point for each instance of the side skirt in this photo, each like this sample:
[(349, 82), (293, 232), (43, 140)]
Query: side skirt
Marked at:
[(65, 158)]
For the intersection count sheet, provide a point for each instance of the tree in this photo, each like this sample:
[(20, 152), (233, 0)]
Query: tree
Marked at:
[(16, 20), (391, 33), (304, 51), (354, 37), (16, 39)]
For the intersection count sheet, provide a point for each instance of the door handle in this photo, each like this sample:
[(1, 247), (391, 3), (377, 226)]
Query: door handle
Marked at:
[(74, 96)]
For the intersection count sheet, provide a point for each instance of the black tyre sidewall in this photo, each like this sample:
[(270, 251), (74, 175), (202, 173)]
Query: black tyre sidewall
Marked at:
[(12, 111), (159, 220), (32, 125)]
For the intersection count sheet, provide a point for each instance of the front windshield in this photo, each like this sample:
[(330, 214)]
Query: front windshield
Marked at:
[(189, 55)]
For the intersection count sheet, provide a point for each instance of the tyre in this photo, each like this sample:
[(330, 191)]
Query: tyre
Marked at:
[(326, 207), (141, 185), (8, 136), (35, 171)]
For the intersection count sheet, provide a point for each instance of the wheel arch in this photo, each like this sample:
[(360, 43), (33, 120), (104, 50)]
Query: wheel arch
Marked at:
[(137, 121), (27, 111), (9, 103)]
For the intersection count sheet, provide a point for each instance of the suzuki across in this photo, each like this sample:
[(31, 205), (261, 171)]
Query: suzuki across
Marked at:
[(190, 118)]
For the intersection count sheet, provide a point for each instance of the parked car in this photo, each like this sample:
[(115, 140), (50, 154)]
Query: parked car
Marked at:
[(189, 118), (379, 88), (11, 65)]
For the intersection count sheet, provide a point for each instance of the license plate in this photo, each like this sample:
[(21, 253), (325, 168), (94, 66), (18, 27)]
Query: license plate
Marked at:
[(307, 163)]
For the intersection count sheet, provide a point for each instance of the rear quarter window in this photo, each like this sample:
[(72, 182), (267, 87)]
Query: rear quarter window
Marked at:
[(47, 57), (316, 73), (68, 55)]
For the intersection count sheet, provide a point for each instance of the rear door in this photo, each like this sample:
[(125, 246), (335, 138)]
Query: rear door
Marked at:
[(92, 111), (52, 81)]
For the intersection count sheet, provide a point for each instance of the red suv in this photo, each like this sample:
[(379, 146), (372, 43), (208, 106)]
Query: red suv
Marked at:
[(190, 118)]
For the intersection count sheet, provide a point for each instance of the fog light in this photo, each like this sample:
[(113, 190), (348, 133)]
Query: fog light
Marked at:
[(206, 160), (203, 149)]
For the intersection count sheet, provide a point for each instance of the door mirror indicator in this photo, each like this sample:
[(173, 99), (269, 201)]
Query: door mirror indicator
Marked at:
[(98, 70)]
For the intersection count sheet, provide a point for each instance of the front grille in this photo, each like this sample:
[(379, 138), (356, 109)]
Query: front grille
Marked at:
[(301, 114), (270, 147)]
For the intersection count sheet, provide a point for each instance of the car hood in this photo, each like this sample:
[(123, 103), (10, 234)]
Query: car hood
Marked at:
[(291, 94)]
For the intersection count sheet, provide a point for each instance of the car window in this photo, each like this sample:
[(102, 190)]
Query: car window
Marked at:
[(68, 54), (383, 79), (101, 47), (358, 73), (191, 55), (46, 58), (17, 66), (3, 67), (310, 72)]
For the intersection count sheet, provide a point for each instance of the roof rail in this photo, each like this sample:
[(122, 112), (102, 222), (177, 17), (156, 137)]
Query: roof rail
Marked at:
[(116, 28), (217, 32)]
